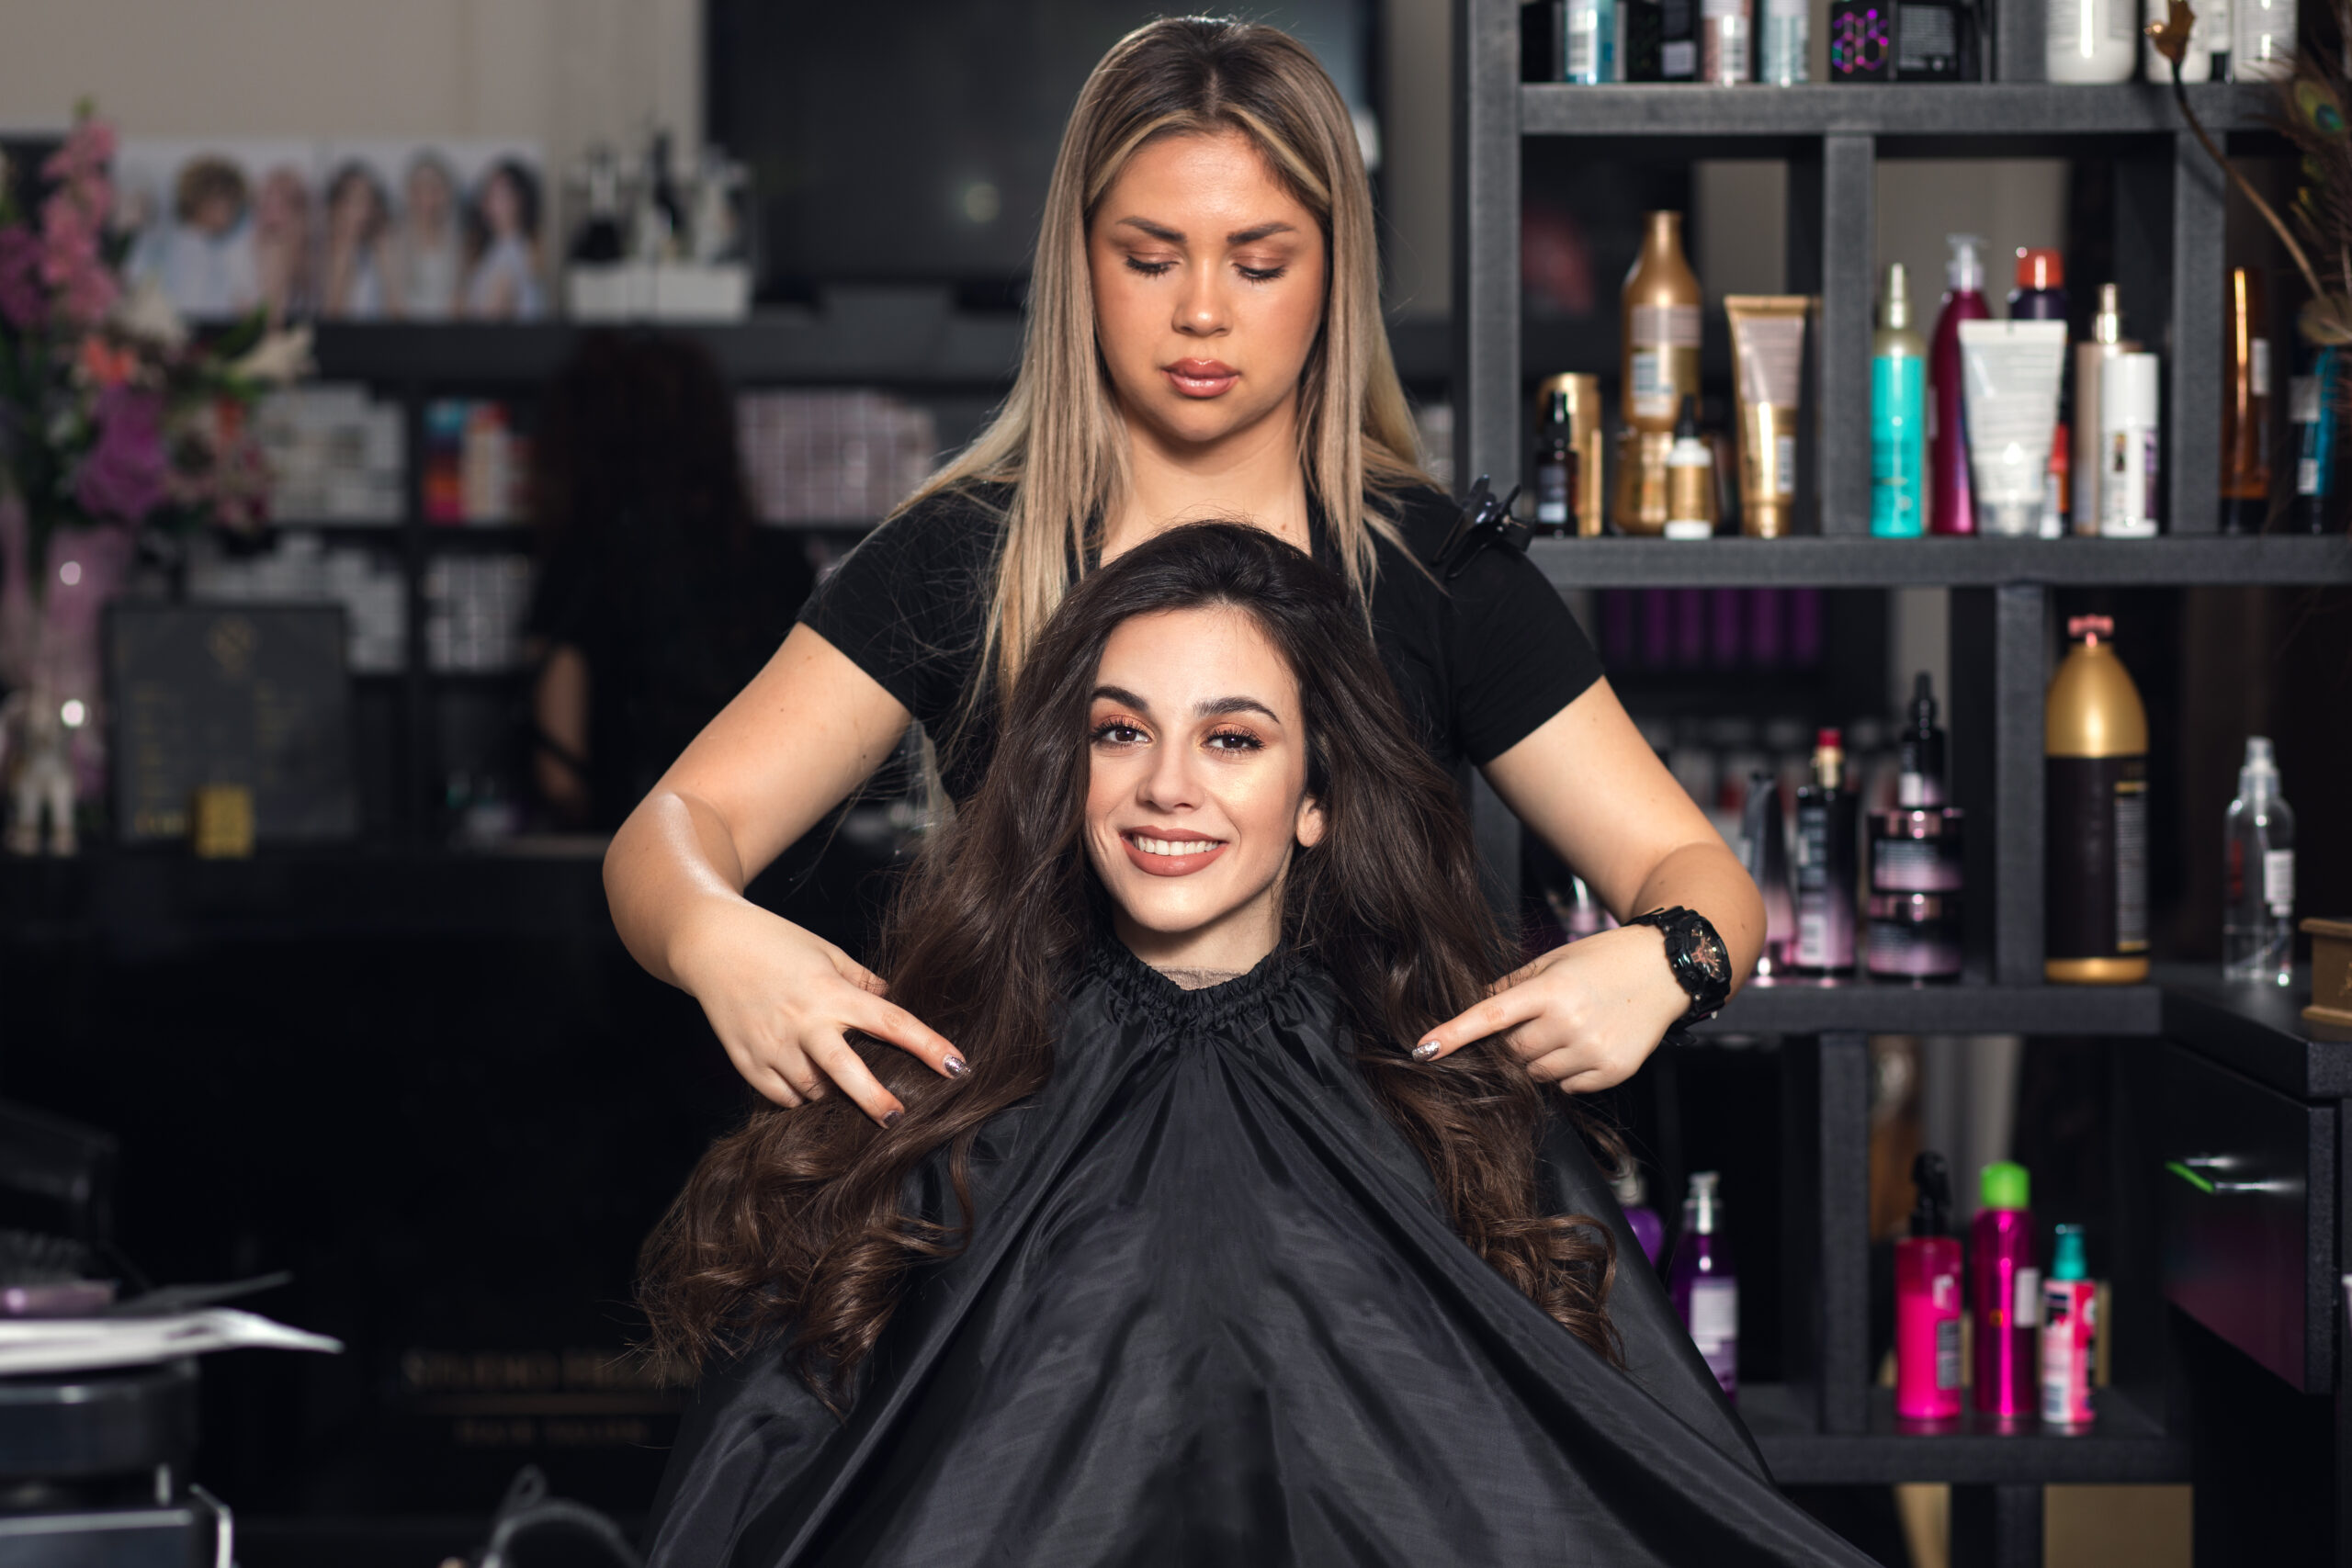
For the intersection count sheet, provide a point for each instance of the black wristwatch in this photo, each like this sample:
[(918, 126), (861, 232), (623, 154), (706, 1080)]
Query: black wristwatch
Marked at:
[(1701, 966)]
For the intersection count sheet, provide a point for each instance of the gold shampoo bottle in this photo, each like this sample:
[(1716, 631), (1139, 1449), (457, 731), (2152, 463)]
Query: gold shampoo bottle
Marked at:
[(1660, 327), (2246, 405), (2095, 745)]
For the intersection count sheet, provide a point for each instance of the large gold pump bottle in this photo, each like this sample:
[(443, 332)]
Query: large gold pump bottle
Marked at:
[(1659, 335), (2095, 743)]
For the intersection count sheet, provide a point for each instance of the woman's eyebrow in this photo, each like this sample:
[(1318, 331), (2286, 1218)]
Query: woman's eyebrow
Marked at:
[(1261, 232), (1122, 695), (1156, 231), (1220, 706)]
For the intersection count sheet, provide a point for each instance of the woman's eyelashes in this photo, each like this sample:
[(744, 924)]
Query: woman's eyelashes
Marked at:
[(1151, 268), (1124, 734)]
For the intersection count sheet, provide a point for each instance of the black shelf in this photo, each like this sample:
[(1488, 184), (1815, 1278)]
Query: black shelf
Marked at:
[(1965, 1007), (1983, 112), (2258, 1030), (2126, 1447), (1861, 561)]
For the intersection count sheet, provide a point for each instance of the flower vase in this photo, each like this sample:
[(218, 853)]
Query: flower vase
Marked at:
[(50, 648)]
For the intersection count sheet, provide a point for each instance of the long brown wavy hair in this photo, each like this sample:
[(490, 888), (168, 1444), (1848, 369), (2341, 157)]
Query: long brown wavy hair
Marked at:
[(794, 1224)]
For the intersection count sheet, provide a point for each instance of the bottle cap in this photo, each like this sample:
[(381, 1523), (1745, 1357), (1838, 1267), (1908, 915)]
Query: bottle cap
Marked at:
[(2259, 773), (2003, 1186), (1686, 419), (2068, 1260), (1894, 313), (2091, 629), (2038, 267), (1631, 1191), (1965, 271), (1829, 737), (1555, 407), (1931, 1215), (1923, 702), (2107, 325)]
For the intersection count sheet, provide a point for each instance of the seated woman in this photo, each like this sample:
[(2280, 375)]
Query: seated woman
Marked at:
[(1191, 1261)]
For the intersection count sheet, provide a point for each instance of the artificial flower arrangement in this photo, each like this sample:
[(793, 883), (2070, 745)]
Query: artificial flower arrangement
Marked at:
[(120, 427)]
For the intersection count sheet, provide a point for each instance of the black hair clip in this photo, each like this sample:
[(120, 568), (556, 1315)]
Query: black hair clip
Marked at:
[(1483, 521)]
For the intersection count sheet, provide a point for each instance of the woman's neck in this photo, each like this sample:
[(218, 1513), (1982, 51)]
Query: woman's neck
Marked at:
[(1232, 944), (1252, 475)]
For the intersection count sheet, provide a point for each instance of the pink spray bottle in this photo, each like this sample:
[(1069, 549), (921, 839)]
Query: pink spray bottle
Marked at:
[(2005, 1293), (1927, 1302), (1952, 500)]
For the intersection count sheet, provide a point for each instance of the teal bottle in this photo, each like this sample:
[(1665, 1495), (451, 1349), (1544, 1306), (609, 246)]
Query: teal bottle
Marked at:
[(1898, 417)]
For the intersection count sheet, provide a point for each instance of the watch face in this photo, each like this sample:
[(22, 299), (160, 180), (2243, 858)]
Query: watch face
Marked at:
[(1707, 953)]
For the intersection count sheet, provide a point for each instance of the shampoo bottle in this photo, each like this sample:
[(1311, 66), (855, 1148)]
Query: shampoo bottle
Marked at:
[(1951, 507), (1825, 872), (1725, 42), (2245, 403), (2317, 418), (2069, 1334), (2262, 39), (1927, 1302), (1705, 1291), (2091, 41), (1690, 479), (2258, 870), (1898, 416), (2040, 293), (1556, 470), (2004, 1293), (1764, 843), (2095, 746), (1632, 1196), (2091, 363), (1661, 301), (1920, 783)]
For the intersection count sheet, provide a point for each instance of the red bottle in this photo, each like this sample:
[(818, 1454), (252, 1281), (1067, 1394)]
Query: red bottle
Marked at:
[(1927, 1302), (1952, 500)]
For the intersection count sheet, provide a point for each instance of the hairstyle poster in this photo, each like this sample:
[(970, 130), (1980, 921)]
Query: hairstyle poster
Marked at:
[(433, 231), (223, 225), (376, 231)]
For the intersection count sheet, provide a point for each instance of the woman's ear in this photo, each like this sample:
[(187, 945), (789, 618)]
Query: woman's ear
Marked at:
[(1311, 823)]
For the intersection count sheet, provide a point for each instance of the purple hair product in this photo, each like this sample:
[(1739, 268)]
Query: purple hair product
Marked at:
[(1705, 1291), (1915, 850), (1767, 621), (1690, 627), (1804, 627), (1726, 604), (1658, 628), (1915, 936)]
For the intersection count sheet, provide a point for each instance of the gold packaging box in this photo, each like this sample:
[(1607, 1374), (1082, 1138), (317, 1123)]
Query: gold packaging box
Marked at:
[(2330, 1013)]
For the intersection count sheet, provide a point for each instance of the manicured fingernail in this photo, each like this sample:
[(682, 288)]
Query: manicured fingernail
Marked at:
[(1424, 1050), (954, 1066), (890, 1118)]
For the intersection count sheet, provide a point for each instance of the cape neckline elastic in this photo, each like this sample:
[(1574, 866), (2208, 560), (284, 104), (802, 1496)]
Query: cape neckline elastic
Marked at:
[(1146, 991)]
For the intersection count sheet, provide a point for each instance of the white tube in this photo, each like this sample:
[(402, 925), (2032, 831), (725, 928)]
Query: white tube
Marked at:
[(2008, 373)]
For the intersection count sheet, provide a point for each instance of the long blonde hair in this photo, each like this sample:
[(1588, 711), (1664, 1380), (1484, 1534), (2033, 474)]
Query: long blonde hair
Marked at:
[(1060, 439)]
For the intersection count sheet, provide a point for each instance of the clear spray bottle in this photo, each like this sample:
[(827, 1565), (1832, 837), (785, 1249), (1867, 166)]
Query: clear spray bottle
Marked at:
[(2259, 871)]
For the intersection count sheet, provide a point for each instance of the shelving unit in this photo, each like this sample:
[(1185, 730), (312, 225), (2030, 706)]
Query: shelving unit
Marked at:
[(1826, 1424)]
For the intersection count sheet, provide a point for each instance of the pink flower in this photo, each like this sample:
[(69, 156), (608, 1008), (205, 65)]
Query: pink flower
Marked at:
[(89, 147), (122, 476), (22, 298)]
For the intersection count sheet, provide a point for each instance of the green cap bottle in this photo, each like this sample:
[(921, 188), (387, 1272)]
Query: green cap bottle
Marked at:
[(2004, 1185), (2071, 1261)]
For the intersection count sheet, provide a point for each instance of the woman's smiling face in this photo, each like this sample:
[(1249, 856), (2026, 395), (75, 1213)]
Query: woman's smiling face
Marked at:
[(1197, 790), (1208, 278)]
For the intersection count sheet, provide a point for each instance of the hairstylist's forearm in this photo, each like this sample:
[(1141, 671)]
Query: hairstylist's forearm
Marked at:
[(808, 729), (672, 860), (1707, 877)]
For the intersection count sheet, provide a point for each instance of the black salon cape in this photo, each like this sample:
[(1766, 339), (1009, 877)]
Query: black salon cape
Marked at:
[(1212, 1313)]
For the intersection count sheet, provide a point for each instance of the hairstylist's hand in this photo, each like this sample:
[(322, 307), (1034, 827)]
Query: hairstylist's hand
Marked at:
[(1585, 1015), (782, 1000)]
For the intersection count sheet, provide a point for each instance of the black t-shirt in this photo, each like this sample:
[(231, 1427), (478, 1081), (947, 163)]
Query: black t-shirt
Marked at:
[(1480, 662)]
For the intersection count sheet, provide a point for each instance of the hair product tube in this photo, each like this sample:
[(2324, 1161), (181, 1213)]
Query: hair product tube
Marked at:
[(2095, 740), (2009, 372), (2246, 404), (1767, 371)]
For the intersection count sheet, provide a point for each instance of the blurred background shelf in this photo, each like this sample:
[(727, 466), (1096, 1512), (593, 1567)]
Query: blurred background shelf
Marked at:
[(1978, 112), (1859, 561), (2128, 1446)]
